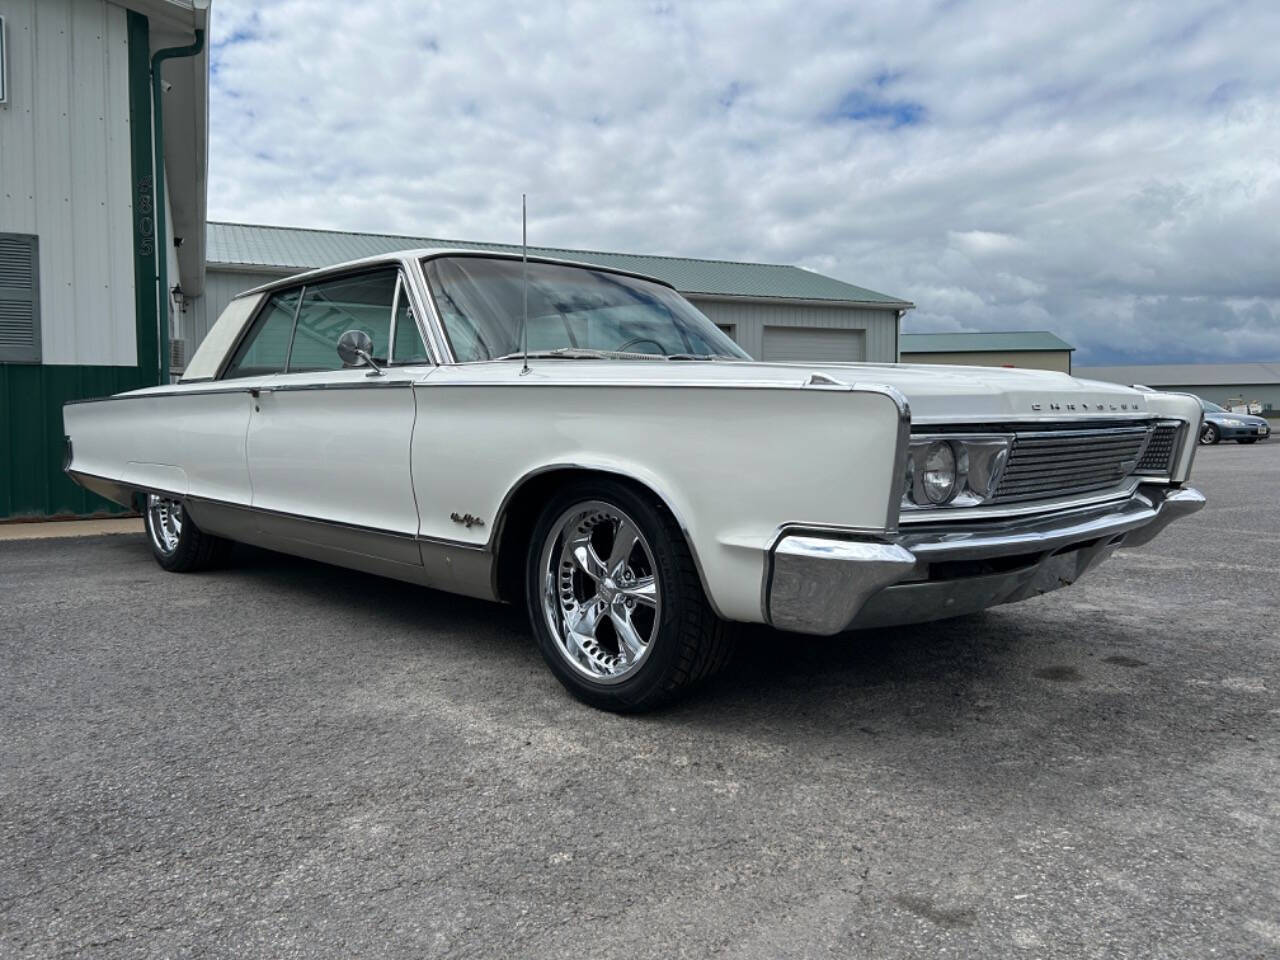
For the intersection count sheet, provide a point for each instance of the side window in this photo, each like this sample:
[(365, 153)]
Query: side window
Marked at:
[(266, 348), (331, 308), (408, 347)]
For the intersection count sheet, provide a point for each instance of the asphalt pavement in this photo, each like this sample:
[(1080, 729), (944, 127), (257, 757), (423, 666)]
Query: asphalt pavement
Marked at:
[(283, 759)]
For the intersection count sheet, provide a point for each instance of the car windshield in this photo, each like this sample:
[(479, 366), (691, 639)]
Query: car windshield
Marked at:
[(573, 312), (1211, 407)]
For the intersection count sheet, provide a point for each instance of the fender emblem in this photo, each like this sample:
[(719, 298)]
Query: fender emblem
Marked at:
[(467, 520)]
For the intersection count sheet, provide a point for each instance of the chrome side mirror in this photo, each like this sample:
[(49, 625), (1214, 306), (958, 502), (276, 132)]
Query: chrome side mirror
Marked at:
[(355, 347)]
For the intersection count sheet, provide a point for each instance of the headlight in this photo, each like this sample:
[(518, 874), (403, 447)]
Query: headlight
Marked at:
[(959, 471), (1229, 422), (939, 480)]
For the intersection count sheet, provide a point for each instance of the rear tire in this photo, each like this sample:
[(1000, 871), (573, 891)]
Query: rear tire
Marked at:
[(1209, 434), (615, 600), (176, 542)]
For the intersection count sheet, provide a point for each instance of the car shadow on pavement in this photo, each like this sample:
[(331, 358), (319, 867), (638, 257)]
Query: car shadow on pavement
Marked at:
[(934, 659)]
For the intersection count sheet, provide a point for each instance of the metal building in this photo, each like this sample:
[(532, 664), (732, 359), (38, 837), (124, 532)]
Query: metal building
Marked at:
[(774, 312), (1219, 382), (95, 191), (1034, 349)]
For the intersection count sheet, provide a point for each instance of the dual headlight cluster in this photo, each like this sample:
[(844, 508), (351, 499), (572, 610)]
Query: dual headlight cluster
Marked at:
[(953, 471)]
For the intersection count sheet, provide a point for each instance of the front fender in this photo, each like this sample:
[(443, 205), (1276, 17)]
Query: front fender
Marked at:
[(736, 465)]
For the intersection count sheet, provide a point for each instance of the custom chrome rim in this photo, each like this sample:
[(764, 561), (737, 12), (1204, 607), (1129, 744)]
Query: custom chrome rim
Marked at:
[(164, 520), (600, 593)]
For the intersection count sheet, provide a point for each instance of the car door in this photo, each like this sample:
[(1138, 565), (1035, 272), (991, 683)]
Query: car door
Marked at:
[(328, 444)]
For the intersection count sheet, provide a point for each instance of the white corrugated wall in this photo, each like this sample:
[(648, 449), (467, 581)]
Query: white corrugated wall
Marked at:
[(65, 173)]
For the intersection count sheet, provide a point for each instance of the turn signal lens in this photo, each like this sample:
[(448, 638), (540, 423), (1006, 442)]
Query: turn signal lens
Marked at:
[(939, 472)]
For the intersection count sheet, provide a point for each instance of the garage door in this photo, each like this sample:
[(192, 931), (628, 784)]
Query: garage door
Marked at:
[(813, 344)]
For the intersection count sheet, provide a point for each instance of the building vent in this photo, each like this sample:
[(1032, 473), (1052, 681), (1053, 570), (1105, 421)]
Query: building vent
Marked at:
[(19, 298), (177, 355)]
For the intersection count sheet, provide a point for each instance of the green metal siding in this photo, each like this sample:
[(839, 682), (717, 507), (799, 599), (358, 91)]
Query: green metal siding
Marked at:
[(32, 449), (32, 482)]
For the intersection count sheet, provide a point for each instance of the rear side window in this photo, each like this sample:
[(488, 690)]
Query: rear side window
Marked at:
[(266, 348), (331, 308)]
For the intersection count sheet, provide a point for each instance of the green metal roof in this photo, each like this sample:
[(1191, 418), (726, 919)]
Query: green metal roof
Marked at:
[(295, 249), (1002, 341)]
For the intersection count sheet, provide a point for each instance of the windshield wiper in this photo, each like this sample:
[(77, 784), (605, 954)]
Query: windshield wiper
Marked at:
[(568, 353), (584, 353)]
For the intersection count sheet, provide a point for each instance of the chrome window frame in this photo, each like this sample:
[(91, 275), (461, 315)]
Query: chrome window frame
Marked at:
[(412, 282)]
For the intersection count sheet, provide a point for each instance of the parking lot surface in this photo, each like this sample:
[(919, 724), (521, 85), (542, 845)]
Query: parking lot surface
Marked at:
[(284, 759)]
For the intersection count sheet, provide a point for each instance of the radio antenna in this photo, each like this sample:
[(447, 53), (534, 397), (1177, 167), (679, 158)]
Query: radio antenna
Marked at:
[(524, 281)]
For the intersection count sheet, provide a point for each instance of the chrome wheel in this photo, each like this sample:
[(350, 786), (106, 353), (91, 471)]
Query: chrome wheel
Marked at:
[(164, 523), (600, 593), (1208, 434)]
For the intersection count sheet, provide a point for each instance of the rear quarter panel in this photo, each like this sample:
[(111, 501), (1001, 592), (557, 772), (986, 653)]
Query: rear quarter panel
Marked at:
[(171, 440)]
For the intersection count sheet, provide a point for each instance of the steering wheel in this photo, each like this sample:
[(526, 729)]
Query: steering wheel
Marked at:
[(634, 340)]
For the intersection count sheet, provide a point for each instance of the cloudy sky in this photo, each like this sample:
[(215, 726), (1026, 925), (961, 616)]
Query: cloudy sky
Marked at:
[(1106, 170)]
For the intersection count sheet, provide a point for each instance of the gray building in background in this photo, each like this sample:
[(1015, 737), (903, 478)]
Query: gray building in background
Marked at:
[(1032, 349), (1218, 382), (774, 312)]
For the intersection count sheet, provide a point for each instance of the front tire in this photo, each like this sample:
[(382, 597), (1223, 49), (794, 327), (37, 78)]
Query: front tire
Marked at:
[(1209, 434), (615, 600), (176, 542)]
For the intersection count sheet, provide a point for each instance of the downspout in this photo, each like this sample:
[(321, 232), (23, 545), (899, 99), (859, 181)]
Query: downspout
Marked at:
[(162, 244)]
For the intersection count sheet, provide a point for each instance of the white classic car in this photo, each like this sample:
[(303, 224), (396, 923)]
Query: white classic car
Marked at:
[(638, 482)]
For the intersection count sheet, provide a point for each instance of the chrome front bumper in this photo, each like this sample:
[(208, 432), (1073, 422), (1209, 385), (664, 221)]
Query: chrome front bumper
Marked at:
[(821, 585)]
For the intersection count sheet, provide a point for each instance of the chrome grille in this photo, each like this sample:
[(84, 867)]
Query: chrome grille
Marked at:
[(1159, 453), (1061, 463)]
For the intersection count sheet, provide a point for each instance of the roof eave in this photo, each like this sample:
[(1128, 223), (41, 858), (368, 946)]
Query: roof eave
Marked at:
[(802, 301)]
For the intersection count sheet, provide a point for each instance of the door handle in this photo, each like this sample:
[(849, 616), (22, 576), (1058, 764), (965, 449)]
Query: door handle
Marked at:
[(256, 392)]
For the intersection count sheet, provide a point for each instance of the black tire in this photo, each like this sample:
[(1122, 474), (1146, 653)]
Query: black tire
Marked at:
[(1209, 434), (1248, 440), (195, 550), (689, 643)]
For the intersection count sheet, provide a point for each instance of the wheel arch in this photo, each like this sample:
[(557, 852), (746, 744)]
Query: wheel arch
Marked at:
[(518, 514)]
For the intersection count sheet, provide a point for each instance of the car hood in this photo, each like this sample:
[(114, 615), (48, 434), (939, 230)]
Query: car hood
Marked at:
[(952, 393)]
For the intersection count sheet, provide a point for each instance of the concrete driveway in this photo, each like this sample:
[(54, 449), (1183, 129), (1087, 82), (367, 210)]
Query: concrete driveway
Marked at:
[(288, 760)]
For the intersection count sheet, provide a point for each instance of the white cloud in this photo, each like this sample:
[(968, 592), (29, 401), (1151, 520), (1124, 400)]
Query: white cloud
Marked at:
[(1110, 173)]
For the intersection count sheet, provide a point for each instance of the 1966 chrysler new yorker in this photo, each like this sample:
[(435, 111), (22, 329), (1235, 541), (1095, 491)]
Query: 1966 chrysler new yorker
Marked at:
[(641, 481)]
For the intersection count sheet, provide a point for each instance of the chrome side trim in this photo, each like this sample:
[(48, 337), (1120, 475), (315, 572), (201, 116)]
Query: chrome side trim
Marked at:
[(818, 586), (445, 565), (385, 383), (656, 382), (357, 548), (164, 395)]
